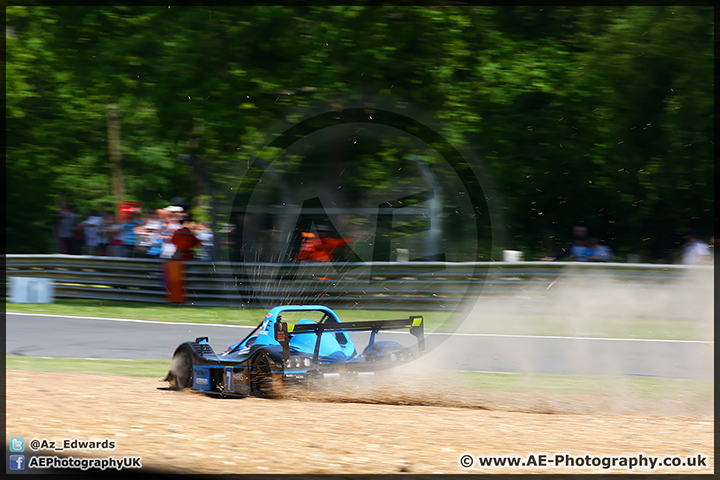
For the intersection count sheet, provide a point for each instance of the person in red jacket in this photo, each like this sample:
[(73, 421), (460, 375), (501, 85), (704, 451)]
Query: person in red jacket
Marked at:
[(185, 241), (320, 248), (309, 244)]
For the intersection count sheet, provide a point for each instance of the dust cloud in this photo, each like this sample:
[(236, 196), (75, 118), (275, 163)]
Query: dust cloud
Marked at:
[(579, 297), (423, 383), (587, 376)]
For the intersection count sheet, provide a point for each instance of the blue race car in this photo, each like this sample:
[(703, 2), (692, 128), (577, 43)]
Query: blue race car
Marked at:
[(278, 352)]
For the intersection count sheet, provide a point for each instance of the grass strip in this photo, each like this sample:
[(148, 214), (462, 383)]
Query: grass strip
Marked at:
[(647, 387), (133, 368), (196, 314)]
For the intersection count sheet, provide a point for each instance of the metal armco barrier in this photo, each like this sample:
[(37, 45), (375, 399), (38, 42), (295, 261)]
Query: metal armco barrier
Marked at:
[(378, 285)]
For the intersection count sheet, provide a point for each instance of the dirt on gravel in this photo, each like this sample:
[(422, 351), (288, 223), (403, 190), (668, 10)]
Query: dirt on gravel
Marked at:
[(398, 427)]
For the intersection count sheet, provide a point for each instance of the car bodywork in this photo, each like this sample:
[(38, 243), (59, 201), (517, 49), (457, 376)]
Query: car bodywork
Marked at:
[(277, 352)]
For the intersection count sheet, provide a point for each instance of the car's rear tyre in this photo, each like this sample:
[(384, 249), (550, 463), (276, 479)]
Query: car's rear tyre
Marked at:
[(261, 377), (182, 371)]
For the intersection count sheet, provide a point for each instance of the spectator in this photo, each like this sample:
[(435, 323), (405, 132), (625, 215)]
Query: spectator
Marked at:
[(575, 249), (168, 249), (142, 239), (597, 252), (711, 247), (105, 234), (56, 230), (114, 232), (309, 243), (92, 229), (67, 228), (155, 240), (129, 235), (155, 220), (320, 248), (206, 237), (168, 228), (185, 241), (173, 215), (579, 250), (695, 251)]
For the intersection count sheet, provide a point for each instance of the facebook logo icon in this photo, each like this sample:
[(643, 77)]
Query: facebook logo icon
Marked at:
[(17, 462)]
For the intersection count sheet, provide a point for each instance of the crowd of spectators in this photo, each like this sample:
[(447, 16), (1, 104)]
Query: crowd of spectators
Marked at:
[(583, 248), (169, 233), (166, 233), (695, 250), (586, 248)]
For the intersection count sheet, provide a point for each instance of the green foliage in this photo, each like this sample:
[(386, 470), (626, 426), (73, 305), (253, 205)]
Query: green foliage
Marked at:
[(602, 115)]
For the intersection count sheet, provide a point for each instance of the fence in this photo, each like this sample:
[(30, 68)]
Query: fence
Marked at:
[(377, 285)]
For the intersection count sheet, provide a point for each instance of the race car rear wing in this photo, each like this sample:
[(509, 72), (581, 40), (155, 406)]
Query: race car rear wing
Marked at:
[(283, 330)]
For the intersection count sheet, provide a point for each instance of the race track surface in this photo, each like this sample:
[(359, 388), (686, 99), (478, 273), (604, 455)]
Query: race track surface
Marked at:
[(78, 337)]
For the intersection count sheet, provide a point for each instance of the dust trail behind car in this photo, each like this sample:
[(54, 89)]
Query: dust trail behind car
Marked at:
[(586, 307)]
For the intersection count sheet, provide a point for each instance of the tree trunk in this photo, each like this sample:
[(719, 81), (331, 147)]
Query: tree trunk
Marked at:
[(113, 126)]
